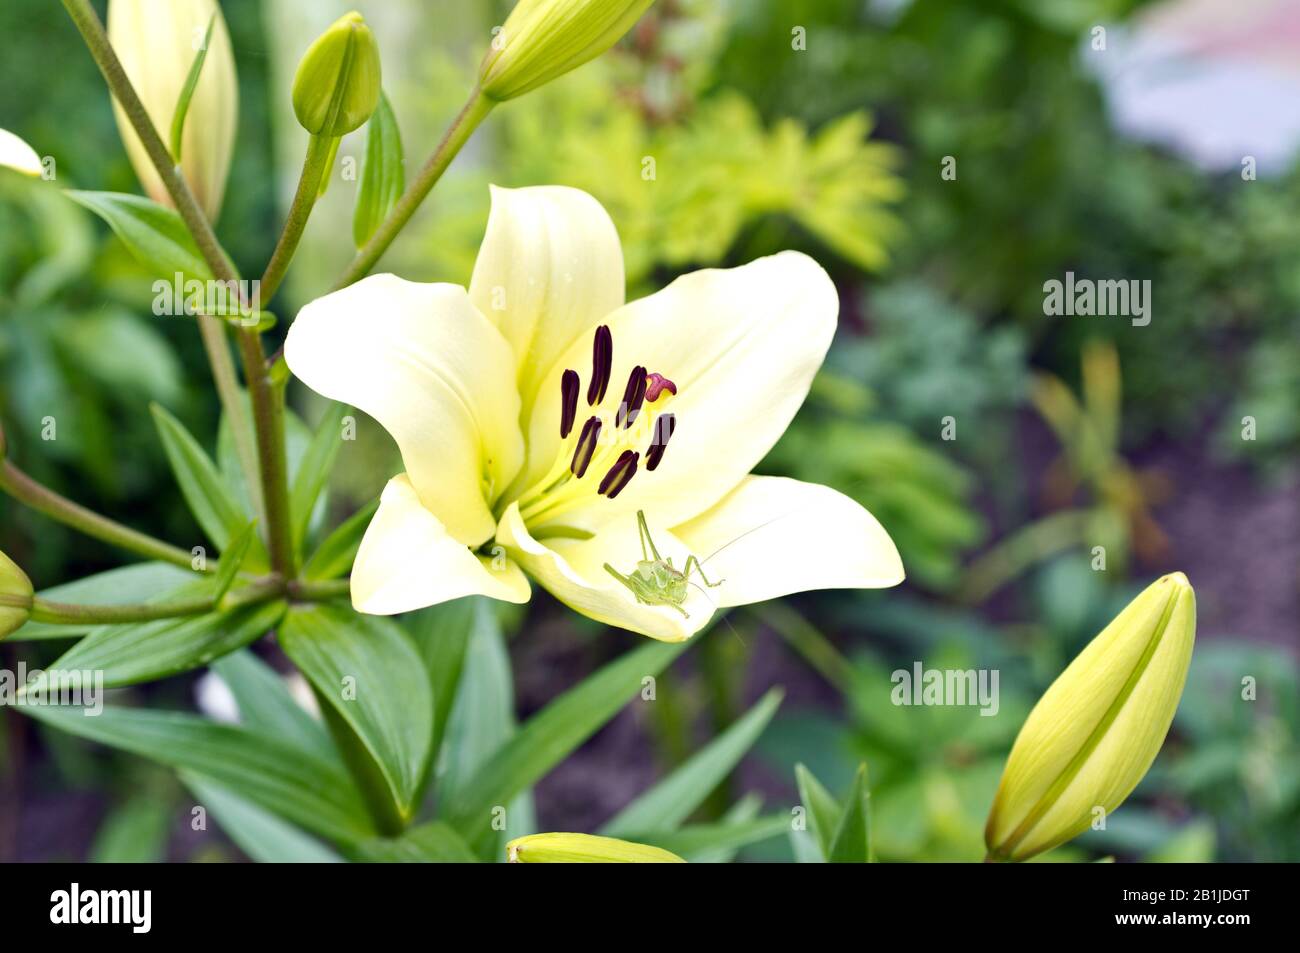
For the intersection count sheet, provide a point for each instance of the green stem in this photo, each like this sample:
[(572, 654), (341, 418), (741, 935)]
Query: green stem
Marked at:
[(320, 150), (462, 127), (213, 331), (61, 509), (268, 423), (43, 610), (319, 591)]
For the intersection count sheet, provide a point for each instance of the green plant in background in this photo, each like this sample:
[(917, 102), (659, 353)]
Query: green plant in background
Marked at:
[(1118, 520)]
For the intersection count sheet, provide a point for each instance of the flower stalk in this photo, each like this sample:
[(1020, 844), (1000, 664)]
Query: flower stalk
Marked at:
[(41, 498), (268, 420), (476, 109)]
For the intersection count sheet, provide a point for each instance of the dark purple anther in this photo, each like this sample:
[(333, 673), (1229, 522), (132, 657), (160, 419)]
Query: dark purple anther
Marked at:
[(620, 474), (633, 398), (665, 424), (569, 387), (602, 361), (586, 447)]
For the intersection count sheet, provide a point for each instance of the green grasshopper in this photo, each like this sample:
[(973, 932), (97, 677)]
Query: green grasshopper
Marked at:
[(655, 582)]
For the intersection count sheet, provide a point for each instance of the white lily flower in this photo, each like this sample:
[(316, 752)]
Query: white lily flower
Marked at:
[(16, 154), (537, 414)]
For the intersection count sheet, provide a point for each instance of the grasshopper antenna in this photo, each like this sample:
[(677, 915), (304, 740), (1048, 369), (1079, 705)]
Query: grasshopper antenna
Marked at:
[(722, 615), (767, 523)]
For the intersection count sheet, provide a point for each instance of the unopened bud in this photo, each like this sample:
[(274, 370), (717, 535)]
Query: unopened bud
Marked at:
[(15, 596), (584, 849), (543, 39), (1096, 730), (337, 84)]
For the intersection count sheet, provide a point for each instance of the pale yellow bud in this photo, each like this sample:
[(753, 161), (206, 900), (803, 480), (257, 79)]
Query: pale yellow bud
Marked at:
[(1096, 730), (15, 596), (543, 39), (157, 41), (584, 849)]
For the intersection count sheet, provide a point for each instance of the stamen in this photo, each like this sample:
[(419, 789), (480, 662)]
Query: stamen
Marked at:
[(586, 447), (569, 386), (620, 474), (602, 362), (657, 385), (665, 424), (633, 397)]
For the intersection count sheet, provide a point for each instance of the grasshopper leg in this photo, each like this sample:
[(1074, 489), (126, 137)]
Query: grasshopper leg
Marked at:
[(700, 569)]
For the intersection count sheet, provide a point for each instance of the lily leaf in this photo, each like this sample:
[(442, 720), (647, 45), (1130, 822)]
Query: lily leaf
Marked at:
[(295, 784), (434, 843), (266, 706), (314, 469), (155, 235), (550, 735), (262, 835), (206, 493), (673, 799), (382, 176), (823, 810), (370, 680), (851, 843), (146, 651), (337, 552)]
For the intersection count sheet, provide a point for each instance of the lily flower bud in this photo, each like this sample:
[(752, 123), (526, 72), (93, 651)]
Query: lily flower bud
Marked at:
[(15, 596), (157, 42), (337, 84), (1096, 730), (543, 39), (584, 849)]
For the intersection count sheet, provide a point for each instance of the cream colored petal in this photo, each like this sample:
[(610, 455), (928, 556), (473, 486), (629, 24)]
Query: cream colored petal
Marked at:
[(408, 561), (421, 360), (18, 155), (573, 571), (549, 271), (772, 536), (742, 345)]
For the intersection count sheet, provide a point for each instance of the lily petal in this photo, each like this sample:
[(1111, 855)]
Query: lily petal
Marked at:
[(772, 536), (437, 375), (573, 571), (408, 561), (549, 271), (16, 154), (742, 346)]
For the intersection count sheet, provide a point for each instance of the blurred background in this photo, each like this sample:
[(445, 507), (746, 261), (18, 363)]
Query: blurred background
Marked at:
[(942, 161)]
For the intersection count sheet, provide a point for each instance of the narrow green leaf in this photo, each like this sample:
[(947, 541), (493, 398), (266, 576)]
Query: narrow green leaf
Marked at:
[(441, 634), (314, 470), (262, 835), (232, 558), (266, 706), (672, 800), (823, 810), (143, 582), (744, 810), (549, 736), (481, 721), (133, 833), (433, 843), (302, 787), (367, 670), (335, 555), (206, 493), (382, 175), (695, 840), (851, 843), (146, 651), (187, 93), (153, 234)]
